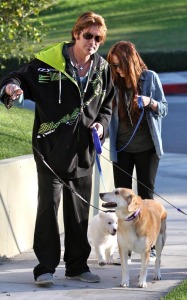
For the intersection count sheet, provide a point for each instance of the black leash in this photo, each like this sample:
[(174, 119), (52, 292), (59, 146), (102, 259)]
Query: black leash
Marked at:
[(145, 186), (46, 164), (79, 196)]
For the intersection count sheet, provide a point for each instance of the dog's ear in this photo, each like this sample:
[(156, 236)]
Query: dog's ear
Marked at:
[(133, 203)]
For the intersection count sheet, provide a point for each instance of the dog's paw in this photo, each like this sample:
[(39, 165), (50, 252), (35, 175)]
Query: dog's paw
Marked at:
[(157, 277), (142, 284), (102, 263), (124, 284)]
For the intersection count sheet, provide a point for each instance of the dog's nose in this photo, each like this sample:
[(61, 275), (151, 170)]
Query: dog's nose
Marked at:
[(114, 231)]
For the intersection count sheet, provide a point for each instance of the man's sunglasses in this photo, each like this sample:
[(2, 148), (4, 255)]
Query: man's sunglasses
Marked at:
[(115, 66), (89, 36)]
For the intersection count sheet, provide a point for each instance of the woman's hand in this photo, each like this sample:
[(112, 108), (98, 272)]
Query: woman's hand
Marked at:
[(145, 100), (149, 102)]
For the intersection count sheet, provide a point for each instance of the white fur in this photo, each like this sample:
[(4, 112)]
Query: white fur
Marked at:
[(102, 231)]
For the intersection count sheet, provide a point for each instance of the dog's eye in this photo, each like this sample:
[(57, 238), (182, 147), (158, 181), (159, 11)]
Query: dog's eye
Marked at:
[(116, 193), (109, 223)]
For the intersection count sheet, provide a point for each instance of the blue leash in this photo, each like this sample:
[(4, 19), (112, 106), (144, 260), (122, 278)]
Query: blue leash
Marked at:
[(98, 148), (100, 171), (97, 142), (140, 105)]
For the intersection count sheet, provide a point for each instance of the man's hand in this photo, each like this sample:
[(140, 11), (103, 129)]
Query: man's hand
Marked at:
[(13, 91), (99, 129)]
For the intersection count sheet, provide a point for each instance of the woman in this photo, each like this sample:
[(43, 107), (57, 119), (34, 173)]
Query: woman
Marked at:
[(72, 88), (134, 145)]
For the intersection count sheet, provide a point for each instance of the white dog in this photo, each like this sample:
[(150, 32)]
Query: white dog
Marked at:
[(102, 231)]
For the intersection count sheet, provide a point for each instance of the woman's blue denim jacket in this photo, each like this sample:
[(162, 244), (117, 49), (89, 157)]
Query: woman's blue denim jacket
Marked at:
[(151, 87)]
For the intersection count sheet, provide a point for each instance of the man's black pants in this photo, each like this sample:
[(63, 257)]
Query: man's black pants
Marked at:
[(47, 245)]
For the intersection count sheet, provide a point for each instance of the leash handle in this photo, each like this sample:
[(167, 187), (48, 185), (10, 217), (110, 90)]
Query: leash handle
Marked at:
[(98, 148), (140, 102), (100, 171)]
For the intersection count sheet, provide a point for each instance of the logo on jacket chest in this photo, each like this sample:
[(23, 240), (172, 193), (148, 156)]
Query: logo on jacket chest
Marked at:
[(47, 75)]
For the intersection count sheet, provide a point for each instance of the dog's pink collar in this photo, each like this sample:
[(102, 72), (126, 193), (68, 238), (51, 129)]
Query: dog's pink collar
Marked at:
[(134, 215)]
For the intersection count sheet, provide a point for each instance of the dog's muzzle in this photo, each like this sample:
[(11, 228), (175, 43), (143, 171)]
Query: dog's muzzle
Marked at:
[(107, 204)]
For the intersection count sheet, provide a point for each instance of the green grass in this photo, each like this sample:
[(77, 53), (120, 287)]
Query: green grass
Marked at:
[(15, 132), (151, 25), (179, 293)]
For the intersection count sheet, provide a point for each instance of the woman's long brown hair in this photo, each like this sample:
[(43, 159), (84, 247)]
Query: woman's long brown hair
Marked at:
[(132, 65)]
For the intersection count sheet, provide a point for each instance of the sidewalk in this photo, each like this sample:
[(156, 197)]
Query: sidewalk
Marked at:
[(16, 279)]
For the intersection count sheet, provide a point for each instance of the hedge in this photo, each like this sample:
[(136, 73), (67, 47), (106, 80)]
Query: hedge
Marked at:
[(158, 61), (166, 61)]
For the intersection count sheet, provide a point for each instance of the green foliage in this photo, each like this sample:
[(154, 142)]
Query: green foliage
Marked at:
[(179, 293), (165, 61), (20, 26), (157, 27)]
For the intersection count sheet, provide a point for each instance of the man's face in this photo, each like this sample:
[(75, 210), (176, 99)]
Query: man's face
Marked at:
[(89, 40)]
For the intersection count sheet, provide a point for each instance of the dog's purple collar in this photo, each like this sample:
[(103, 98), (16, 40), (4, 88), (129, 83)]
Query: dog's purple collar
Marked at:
[(134, 215)]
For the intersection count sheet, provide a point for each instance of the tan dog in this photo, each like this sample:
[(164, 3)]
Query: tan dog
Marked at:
[(141, 225)]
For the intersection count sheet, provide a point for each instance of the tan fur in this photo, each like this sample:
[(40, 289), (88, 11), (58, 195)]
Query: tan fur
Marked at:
[(140, 234)]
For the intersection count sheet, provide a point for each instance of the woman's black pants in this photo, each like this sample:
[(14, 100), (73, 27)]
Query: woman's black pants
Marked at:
[(47, 245), (146, 164)]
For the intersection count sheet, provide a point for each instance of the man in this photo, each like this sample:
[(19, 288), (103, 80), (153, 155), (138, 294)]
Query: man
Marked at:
[(72, 88)]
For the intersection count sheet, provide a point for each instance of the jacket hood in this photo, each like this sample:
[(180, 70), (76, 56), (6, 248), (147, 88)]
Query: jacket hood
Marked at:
[(52, 55)]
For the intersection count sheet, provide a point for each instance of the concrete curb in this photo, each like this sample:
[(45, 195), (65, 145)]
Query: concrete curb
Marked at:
[(175, 89), (174, 83)]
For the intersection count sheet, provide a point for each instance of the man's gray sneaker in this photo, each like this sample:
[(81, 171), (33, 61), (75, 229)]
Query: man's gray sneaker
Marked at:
[(45, 279), (86, 277)]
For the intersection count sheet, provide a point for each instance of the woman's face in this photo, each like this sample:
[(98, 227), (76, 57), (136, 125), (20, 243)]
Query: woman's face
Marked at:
[(116, 66)]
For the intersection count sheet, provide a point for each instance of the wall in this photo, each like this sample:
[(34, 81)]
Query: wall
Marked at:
[(18, 200)]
